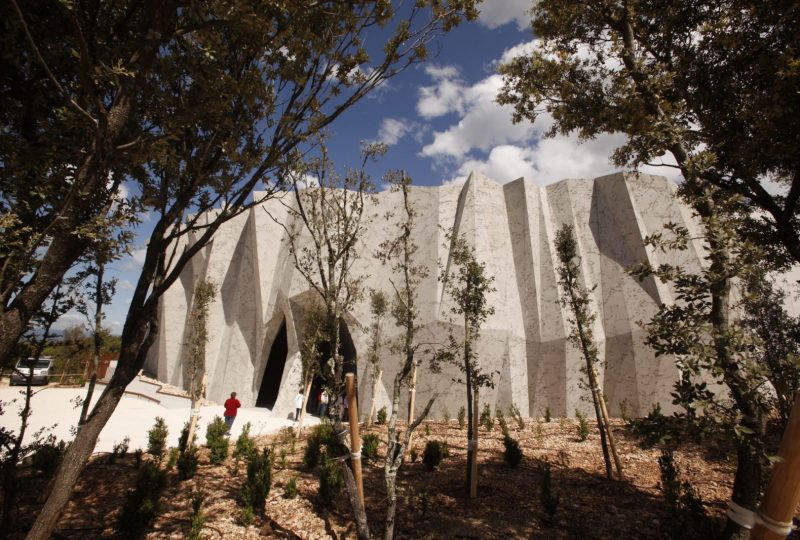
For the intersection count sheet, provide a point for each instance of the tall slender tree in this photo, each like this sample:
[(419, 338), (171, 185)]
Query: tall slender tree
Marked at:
[(195, 360), (576, 299), (378, 306)]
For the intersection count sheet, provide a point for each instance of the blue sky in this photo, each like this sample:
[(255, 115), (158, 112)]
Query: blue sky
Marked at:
[(441, 122)]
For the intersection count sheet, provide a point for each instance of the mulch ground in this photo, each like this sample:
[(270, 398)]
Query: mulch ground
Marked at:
[(431, 504)]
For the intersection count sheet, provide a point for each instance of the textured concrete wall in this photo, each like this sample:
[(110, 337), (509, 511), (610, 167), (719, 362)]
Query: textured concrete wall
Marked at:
[(512, 228)]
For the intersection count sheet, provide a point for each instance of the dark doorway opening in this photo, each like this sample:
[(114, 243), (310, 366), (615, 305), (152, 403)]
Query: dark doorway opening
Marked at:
[(271, 382)]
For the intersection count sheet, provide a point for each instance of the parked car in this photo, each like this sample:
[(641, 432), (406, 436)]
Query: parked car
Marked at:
[(42, 371)]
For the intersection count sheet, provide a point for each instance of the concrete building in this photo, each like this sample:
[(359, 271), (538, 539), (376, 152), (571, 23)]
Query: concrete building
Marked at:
[(256, 321)]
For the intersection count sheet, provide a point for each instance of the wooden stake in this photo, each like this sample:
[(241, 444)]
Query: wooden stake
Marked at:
[(609, 435), (375, 382), (783, 491), (355, 438), (412, 393), (473, 484)]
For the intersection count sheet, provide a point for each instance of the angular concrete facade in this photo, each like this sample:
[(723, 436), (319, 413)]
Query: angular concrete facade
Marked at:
[(262, 298)]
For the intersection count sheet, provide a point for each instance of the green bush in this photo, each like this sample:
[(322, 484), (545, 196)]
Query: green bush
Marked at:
[(427, 430), (512, 453), (198, 517), (369, 446), (547, 496), (486, 417), (246, 517), (142, 503), (187, 464), (513, 411), (547, 416), (157, 439), (381, 415), (47, 456), (290, 490), (120, 450), (245, 444), (330, 482), (501, 420), (687, 515), (216, 441), (435, 452), (322, 435), (259, 480), (462, 417), (172, 460), (183, 439), (446, 415), (583, 426), (653, 429)]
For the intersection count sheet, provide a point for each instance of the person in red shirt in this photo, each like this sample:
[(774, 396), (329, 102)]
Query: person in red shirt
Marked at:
[(231, 405)]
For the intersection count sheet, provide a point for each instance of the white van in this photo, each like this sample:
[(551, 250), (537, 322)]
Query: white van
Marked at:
[(42, 371)]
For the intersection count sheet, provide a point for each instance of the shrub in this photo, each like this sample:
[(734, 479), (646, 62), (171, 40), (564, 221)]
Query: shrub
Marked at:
[(287, 435), (446, 415), (381, 415), (259, 480), (216, 441), (245, 444), (547, 496), (187, 463), (157, 439), (183, 439), (322, 435), (137, 457), (246, 517), (435, 452), (583, 425), (282, 461), (486, 417), (651, 430), (547, 416), (427, 430), (47, 456), (172, 460), (512, 453), (198, 518), (120, 450), (501, 420), (686, 510), (369, 446), (513, 412), (462, 417), (330, 482), (142, 503), (290, 490)]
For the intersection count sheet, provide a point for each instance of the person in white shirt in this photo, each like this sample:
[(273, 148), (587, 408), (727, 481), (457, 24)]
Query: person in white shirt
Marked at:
[(298, 404)]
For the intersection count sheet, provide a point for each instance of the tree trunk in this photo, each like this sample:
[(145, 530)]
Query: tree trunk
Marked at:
[(609, 434), (391, 504), (376, 379), (470, 417), (362, 526), (10, 478), (98, 320), (473, 472), (306, 392)]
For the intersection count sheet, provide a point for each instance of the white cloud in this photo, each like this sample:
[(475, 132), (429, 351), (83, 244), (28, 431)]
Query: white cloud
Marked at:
[(445, 96), (124, 285), (393, 129), (523, 49), (134, 260), (495, 13), (68, 320)]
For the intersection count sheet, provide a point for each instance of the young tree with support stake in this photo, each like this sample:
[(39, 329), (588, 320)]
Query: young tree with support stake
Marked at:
[(378, 306), (400, 254), (468, 285), (576, 298), (195, 369), (226, 99), (315, 332)]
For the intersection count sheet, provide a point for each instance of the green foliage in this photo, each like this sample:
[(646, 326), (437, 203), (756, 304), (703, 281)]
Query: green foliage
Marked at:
[(435, 452), (512, 452), (187, 463), (183, 439), (157, 439), (547, 416), (369, 446), (582, 428), (513, 411), (47, 456), (330, 482), (501, 420), (446, 415), (290, 489), (142, 503), (321, 439), (462, 417), (381, 416), (259, 480), (216, 441), (687, 515), (120, 450), (653, 429), (547, 495), (427, 430), (245, 444), (487, 420), (198, 517), (174, 454), (246, 517)]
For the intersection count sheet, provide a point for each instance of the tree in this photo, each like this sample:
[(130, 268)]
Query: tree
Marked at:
[(576, 299), (714, 84), (326, 223), (195, 370), (378, 306), (400, 253), (468, 285), (311, 355), (195, 105), (700, 329)]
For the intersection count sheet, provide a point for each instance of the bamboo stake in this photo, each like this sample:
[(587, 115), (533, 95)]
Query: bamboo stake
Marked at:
[(610, 436), (355, 438), (303, 408), (473, 483), (412, 392), (783, 491)]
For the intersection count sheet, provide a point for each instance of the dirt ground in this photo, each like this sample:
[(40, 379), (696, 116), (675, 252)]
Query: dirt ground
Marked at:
[(431, 504)]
